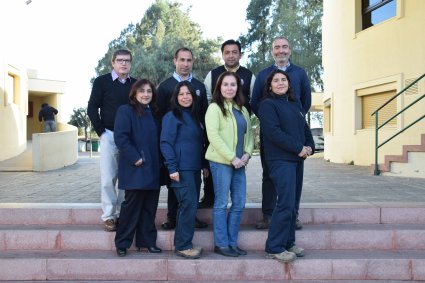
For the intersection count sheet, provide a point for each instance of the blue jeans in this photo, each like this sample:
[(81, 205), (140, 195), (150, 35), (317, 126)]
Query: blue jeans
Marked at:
[(49, 126), (186, 192), (227, 179), (287, 178)]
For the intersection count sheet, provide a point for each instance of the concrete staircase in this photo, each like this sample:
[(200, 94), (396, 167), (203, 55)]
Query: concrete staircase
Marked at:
[(411, 163), (343, 242)]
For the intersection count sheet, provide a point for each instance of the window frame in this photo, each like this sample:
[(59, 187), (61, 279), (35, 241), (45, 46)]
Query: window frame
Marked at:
[(368, 9)]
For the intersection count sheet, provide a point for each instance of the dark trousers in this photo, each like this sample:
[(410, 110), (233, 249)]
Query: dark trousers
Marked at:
[(268, 191), (187, 194), (208, 189), (287, 177), (137, 216), (172, 202)]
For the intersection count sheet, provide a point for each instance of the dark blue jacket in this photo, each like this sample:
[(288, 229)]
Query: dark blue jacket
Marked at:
[(137, 137), (299, 83), (182, 143), (284, 128)]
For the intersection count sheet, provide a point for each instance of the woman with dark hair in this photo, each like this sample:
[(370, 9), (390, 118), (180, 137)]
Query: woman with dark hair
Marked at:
[(287, 142), (231, 144), (182, 145), (136, 135)]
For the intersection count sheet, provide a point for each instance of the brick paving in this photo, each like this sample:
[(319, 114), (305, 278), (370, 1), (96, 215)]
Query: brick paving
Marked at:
[(324, 182)]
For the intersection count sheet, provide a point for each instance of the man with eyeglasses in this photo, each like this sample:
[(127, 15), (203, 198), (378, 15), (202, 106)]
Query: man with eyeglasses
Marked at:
[(109, 92)]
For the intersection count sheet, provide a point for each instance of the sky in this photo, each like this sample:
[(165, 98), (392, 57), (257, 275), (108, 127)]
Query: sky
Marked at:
[(64, 39)]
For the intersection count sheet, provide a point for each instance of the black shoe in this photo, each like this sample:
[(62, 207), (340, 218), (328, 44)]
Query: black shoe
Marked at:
[(152, 250), (298, 225), (205, 204), (121, 252), (263, 224), (238, 250), (226, 251), (169, 224), (200, 224)]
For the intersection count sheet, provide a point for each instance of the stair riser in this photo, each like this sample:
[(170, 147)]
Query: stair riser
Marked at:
[(91, 216), (218, 270), (68, 240)]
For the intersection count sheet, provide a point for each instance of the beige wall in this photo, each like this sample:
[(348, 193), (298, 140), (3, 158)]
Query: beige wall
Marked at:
[(13, 110), (358, 62), (55, 150)]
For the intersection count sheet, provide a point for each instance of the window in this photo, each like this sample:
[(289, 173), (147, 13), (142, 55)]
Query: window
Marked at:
[(10, 89), (376, 11), (327, 112), (372, 102)]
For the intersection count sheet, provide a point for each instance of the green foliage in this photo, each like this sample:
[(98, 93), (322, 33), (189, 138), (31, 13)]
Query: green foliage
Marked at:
[(81, 120), (153, 41), (297, 20)]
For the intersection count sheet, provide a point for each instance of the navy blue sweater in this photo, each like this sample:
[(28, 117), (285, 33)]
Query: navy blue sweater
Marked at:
[(285, 129), (137, 137), (182, 143), (107, 95), (299, 83)]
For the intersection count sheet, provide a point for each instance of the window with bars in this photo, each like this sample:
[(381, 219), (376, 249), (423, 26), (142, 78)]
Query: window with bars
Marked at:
[(376, 11)]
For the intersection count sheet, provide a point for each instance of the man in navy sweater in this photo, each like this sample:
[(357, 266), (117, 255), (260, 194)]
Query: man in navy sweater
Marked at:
[(183, 60), (281, 51), (108, 93)]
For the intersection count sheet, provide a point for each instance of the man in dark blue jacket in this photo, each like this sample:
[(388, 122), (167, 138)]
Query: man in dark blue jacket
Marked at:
[(281, 51), (183, 60), (47, 114)]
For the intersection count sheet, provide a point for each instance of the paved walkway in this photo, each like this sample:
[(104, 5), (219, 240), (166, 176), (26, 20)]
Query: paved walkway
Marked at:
[(324, 183)]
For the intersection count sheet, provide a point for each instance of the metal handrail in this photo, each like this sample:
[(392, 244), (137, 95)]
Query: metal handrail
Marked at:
[(377, 128)]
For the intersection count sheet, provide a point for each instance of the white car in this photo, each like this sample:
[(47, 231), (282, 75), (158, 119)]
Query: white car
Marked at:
[(319, 140)]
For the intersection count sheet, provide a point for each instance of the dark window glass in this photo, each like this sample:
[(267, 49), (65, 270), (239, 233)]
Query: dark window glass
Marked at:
[(376, 11)]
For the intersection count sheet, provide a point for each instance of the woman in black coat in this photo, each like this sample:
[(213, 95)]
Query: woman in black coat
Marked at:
[(136, 134), (287, 142)]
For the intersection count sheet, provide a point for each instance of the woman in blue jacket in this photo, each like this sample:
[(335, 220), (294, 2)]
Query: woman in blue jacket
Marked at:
[(182, 145), (287, 142), (136, 135)]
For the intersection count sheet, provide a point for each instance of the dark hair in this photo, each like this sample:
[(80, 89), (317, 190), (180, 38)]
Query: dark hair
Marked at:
[(176, 108), (217, 96), (133, 102), (231, 42), (268, 93), (176, 55), (44, 104), (121, 52)]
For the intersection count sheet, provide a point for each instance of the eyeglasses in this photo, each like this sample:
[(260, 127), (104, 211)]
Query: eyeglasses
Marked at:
[(123, 61)]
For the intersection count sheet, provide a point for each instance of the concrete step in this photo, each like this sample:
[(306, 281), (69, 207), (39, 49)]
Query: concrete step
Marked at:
[(338, 213), (316, 265), (311, 237)]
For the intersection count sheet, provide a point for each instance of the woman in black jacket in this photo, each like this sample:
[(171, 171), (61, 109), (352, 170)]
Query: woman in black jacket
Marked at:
[(287, 143), (136, 135)]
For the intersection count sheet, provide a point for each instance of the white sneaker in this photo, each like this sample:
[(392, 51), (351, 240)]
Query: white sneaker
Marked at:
[(283, 256), (299, 252)]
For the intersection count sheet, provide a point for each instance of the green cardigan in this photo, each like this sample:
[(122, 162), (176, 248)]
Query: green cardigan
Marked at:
[(223, 136)]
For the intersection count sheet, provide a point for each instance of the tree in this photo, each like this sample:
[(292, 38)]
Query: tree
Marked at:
[(299, 21), (153, 41), (80, 119)]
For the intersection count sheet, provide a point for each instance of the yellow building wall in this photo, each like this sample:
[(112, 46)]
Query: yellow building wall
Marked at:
[(13, 111), (359, 62)]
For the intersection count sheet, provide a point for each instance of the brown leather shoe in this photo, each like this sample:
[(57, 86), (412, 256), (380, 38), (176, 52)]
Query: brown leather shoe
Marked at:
[(109, 225)]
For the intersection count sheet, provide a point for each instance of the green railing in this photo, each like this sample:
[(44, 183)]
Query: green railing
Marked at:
[(377, 127)]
